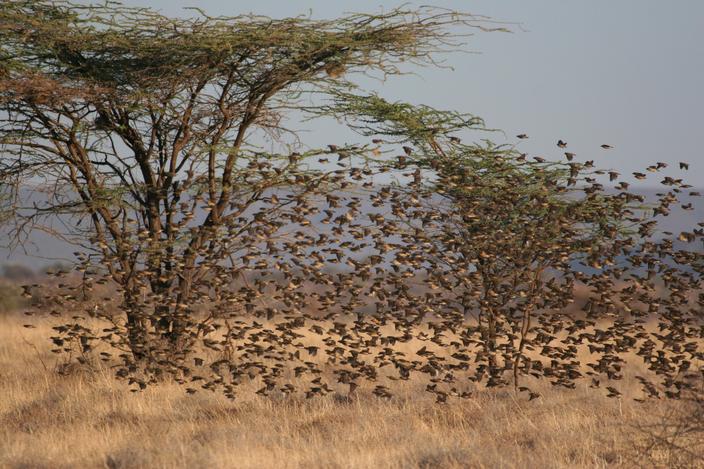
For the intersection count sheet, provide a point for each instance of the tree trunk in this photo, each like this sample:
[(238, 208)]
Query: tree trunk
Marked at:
[(137, 332)]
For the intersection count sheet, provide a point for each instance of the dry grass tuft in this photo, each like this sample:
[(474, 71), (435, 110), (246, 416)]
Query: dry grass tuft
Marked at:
[(90, 420)]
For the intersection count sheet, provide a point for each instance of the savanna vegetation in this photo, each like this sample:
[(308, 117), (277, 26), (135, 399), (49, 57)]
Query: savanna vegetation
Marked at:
[(423, 297)]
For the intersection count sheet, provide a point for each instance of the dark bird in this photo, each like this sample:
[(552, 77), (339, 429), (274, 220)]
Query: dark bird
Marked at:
[(417, 176), (26, 291), (102, 122), (561, 144), (522, 136), (606, 146)]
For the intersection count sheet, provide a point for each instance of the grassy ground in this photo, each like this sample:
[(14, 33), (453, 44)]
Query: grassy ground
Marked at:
[(92, 420)]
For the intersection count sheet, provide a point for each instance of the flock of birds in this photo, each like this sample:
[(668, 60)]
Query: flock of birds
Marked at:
[(321, 291)]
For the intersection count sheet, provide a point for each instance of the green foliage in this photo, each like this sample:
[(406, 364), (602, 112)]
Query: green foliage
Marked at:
[(399, 122), (10, 299), (137, 51)]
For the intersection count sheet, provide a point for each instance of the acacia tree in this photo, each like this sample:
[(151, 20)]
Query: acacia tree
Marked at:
[(506, 240), (143, 129)]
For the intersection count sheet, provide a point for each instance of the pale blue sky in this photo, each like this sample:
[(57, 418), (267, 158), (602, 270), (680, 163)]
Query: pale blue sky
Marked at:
[(628, 73)]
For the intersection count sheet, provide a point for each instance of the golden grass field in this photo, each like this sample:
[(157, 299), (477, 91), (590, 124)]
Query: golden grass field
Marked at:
[(90, 419)]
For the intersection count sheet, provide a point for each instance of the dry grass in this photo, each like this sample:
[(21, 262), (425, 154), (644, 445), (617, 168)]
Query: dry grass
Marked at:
[(90, 420)]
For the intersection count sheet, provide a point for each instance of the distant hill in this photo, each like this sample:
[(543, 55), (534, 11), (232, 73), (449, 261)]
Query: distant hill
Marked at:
[(43, 250)]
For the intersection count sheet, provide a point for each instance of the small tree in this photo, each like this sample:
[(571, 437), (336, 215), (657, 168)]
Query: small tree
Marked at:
[(507, 240)]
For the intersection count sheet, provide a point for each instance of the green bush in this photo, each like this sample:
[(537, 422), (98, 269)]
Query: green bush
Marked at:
[(10, 298)]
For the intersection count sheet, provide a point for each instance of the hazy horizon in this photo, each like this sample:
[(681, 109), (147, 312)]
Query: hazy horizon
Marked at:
[(44, 250)]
